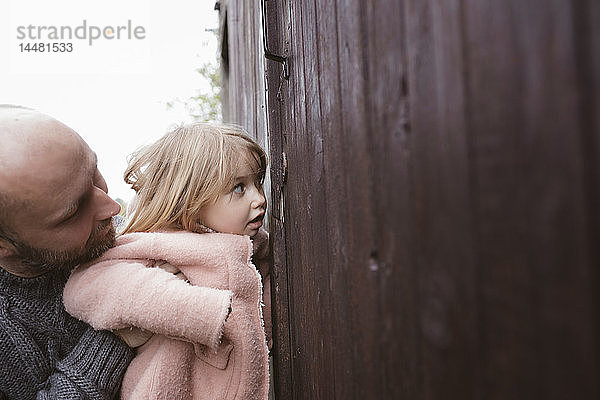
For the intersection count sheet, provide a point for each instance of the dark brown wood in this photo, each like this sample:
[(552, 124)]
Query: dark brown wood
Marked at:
[(444, 260), (391, 264), (275, 31), (436, 233), (536, 282)]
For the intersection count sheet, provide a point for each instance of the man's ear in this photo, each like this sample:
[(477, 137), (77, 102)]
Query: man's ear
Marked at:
[(7, 249)]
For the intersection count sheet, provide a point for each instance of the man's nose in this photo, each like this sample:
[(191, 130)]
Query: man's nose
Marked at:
[(105, 206)]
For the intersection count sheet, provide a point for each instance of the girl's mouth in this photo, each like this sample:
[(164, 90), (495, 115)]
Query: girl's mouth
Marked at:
[(256, 223)]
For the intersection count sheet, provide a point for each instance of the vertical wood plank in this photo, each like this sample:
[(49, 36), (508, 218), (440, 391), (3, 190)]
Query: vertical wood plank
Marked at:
[(386, 334), (312, 336), (335, 186), (444, 257), (352, 280), (275, 24), (592, 86), (396, 341), (536, 267), (586, 24), (298, 251), (308, 267), (235, 64)]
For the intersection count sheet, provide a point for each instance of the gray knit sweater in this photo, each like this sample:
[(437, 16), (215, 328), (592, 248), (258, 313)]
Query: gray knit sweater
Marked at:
[(47, 354)]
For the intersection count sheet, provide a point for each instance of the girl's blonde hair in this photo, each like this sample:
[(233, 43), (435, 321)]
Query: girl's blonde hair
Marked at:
[(185, 170)]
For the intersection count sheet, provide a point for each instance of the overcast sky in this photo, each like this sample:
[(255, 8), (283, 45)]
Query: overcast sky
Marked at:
[(112, 92)]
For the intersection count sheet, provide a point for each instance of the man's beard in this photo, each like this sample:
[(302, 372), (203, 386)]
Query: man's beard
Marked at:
[(45, 260)]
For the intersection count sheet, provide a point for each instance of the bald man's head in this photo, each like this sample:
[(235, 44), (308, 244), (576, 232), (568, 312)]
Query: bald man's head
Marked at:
[(6, 202), (55, 207), (25, 135)]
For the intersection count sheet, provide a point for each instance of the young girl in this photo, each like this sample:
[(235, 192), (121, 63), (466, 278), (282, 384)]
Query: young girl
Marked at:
[(179, 284)]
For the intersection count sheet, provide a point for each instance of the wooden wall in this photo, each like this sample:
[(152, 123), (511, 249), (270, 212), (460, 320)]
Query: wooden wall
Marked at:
[(434, 204), (243, 68)]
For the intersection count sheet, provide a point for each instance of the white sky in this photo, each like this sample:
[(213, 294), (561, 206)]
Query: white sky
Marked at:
[(113, 93)]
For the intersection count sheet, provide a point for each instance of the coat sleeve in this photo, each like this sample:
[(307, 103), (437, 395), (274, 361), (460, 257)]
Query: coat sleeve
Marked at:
[(116, 294)]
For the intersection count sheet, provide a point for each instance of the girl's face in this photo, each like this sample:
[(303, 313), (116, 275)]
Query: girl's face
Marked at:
[(240, 210)]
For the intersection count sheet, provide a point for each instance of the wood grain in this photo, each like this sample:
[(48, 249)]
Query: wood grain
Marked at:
[(436, 235)]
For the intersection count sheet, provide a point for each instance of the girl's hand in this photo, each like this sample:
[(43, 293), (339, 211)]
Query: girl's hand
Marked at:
[(134, 337), (262, 260), (261, 256)]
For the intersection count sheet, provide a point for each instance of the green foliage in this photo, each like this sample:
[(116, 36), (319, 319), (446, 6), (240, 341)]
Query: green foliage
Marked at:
[(206, 104)]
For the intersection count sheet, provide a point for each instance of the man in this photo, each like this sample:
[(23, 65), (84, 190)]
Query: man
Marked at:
[(55, 213)]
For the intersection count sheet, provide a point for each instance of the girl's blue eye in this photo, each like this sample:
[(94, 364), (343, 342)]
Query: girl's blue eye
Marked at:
[(239, 188)]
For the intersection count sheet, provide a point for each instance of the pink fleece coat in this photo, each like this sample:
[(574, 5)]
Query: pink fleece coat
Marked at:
[(199, 351)]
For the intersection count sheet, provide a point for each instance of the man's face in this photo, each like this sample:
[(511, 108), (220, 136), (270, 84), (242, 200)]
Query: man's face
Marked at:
[(63, 213), (44, 260), (239, 211)]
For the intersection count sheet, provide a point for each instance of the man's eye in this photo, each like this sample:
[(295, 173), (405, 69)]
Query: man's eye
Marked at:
[(69, 217), (239, 188)]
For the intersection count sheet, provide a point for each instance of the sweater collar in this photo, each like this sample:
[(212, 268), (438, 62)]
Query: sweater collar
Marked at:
[(41, 286)]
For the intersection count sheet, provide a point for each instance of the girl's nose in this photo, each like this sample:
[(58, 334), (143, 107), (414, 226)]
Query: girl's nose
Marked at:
[(259, 199)]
